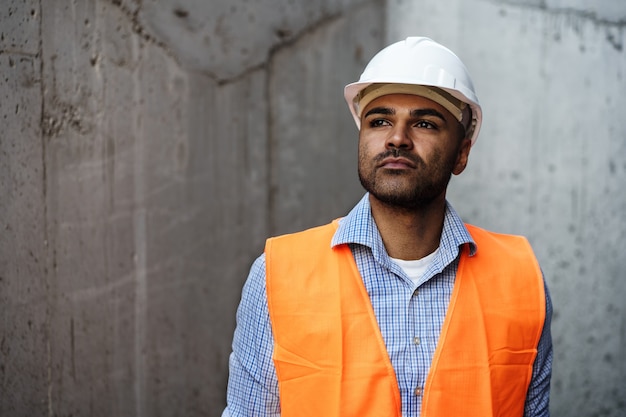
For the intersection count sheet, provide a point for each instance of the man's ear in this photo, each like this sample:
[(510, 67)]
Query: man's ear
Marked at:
[(462, 156)]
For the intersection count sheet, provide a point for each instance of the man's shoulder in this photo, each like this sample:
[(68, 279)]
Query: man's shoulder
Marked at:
[(515, 247)]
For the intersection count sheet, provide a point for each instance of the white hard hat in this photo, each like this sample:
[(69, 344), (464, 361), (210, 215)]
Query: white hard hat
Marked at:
[(420, 66)]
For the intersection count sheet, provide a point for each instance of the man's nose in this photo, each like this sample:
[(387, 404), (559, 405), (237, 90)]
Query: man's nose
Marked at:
[(399, 138)]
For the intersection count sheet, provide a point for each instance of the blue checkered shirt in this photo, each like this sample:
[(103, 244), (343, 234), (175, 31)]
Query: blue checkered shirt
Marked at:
[(410, 317)]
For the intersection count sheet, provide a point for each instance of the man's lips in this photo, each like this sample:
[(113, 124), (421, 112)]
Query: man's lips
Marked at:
[(396, 163)]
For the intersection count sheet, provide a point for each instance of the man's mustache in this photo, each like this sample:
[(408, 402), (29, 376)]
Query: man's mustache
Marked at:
[(398, 153)]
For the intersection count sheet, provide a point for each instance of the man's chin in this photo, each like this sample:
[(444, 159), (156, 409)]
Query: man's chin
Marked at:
[(398, 196), (401, 201)]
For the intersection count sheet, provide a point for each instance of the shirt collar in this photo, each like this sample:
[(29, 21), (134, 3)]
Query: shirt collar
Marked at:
[(358, 227)]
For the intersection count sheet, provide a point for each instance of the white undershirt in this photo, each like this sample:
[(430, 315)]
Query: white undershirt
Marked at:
[(416, 269)]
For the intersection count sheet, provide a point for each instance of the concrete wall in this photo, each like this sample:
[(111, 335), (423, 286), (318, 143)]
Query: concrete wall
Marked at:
[(549, 164), (147, 150), (149, 147)]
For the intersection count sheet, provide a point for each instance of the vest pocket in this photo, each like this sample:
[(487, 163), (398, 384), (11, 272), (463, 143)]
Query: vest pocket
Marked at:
[(510, 373)]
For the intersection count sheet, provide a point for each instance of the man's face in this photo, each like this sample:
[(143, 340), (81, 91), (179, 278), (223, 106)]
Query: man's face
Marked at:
[(408, 148)]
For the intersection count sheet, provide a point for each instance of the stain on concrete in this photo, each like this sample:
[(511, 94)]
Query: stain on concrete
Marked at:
[(65, 116), (180, 12)]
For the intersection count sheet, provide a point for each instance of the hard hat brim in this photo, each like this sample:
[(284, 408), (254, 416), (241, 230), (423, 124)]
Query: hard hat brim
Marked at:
[(352, 95)]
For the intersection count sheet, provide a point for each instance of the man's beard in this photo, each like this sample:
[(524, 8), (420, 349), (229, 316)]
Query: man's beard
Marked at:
[(422, 190)]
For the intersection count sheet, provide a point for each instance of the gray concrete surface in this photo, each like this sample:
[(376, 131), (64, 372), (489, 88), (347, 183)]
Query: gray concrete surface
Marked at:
[(149, 147), (138, 184)]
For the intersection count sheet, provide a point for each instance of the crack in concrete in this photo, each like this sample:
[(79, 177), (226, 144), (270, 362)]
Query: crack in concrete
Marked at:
[(286, 38), (564, 11), (581, 15), (138, 28)]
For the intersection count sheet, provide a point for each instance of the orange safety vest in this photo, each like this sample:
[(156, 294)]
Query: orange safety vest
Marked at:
[(330, 356)]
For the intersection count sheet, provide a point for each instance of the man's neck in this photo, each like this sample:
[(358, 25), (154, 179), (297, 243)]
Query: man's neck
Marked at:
[(409, 234)]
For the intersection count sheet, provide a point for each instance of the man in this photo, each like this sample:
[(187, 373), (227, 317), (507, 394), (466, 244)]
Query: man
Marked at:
[(399, 308)]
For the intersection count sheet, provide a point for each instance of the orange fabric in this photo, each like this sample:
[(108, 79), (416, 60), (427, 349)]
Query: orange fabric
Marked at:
[(483, 362), (330, 358), (329, 354)]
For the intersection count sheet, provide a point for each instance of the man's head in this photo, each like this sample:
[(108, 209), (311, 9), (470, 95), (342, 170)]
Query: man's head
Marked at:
[(418, 116)]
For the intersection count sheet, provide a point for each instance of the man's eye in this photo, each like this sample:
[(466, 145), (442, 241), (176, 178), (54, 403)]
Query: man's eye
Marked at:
[(378, 123), (425, 125)]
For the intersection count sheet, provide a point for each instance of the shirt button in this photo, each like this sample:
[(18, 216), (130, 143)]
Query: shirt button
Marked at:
[(419, 391), (416, 340)]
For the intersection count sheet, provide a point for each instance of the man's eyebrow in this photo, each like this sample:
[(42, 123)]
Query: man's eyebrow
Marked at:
[(381, 110), (388, 111), (427, 112)]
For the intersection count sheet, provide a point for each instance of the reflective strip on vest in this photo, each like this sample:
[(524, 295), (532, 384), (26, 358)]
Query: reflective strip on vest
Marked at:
[(330, 356)]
